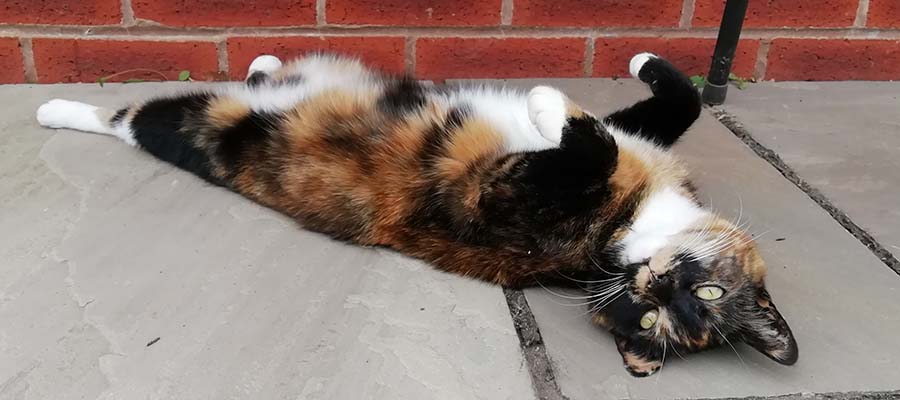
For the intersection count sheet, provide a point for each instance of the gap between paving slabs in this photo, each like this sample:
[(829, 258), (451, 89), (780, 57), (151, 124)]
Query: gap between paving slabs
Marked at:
[(543, 380), (731, 122)]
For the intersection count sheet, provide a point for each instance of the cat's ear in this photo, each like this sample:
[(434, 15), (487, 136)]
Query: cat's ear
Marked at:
[(639, 357), (766, 330)]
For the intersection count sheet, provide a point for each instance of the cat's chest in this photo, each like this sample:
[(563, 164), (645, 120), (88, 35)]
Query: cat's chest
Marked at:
[(663, 215)]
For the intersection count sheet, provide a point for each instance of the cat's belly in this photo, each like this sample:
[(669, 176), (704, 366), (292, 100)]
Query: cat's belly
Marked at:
[(507, 112)]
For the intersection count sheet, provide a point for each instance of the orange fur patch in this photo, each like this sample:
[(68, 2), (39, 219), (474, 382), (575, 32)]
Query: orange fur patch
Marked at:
[(751, 263), (224, 112), (640, 364), (314, 116), (642, 280), (474, 140), (700, 343), (600, 319), (631, 174), (573, 110)]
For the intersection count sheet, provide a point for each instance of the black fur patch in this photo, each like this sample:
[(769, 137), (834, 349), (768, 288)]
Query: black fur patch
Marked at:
[(118, 116), (545, 198), (430, 210), (246, 134), (346, 140), (437, 136), (158, 128), (402, 96), (569, 178), (663, 118), (257, 78)]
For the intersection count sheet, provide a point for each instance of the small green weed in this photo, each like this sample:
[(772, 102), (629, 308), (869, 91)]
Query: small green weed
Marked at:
[(699, 81)]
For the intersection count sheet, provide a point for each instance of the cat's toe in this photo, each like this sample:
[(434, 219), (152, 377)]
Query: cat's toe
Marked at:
[(637, 62), (547, 111), (266, 64)]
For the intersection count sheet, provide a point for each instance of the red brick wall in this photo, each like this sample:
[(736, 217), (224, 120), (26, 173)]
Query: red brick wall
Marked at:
[(80, 40)]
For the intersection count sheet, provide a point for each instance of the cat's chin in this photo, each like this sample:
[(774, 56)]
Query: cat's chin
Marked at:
[(640, 374)]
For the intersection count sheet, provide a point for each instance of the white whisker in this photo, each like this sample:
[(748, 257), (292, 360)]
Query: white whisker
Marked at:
[(596, 264), (729, 344), (662, 364), (621, 277), (677, 354), (602, 304)]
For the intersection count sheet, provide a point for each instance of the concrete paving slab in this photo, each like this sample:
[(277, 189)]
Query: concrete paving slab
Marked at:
[(124, 278), (843, 138), (838, 298)]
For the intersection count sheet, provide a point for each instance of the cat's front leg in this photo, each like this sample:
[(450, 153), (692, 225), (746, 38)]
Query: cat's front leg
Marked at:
[(549, 110)]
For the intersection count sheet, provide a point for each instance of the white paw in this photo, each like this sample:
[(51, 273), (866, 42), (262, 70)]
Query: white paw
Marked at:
[(638, 61), (547, 111), (57, 113), (265, 63)]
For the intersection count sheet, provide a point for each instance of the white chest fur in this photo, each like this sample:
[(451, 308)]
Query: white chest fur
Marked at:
[(665, 214)]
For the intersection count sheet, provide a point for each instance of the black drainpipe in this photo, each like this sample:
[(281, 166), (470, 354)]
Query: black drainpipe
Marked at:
[(729, 32)]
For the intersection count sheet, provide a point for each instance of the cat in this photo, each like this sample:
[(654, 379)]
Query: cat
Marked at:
[(485, 182)]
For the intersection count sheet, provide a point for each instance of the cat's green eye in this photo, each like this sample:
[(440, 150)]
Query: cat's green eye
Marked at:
[(709, 292), (649, 319)]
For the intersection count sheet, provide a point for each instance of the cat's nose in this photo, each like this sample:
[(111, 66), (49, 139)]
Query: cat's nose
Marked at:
[(661, 286)]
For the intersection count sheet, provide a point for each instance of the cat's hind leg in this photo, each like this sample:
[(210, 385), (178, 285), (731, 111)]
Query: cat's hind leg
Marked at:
[(170, 128), (59, 113)]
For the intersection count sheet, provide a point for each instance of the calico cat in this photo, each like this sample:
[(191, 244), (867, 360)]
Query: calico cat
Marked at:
[(485, 182)]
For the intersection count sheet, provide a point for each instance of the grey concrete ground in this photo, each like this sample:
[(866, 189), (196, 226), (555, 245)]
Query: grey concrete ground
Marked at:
[(852, 157), (105, 250)]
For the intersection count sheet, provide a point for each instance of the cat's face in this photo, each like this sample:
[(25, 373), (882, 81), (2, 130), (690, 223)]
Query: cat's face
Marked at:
[(704, 289)]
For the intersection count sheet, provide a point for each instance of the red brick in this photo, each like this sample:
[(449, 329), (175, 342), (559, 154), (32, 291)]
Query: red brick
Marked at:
[(499, 58), (62, 12), (884, 14), (597, 12), (386, 53), (413, 12), (11, 67), (782, 13), (227, 12), (67, 60), (833, 59), (693, 56)]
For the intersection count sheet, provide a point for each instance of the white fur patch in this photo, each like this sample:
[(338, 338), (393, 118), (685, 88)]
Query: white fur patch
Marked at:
[(547, 111), (637, 62), (59, 113), (319, 73), (506, 110), (265, 63), (665, 214)]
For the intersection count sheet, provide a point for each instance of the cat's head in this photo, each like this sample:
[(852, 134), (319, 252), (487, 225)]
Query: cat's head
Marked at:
[(704, 288)]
